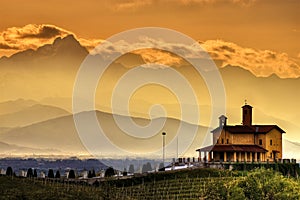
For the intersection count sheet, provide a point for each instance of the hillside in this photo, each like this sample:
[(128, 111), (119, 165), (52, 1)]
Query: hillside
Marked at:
[(29, 115), (207, 184), (12, 106), (15, 150), (60, 133)]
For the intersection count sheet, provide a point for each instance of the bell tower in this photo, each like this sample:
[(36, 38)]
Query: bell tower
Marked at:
[(222, 121), (247, 114)]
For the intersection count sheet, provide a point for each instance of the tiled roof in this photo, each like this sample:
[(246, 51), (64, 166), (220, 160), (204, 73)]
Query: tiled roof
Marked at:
[(250, 129), (233, 148)]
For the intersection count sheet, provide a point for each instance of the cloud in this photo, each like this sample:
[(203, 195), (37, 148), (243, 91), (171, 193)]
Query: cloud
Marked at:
[(89, 44), (43, 32), (7, 47), (259, 62), (151, 50), (30, 36), (131, 5), (159, 57)]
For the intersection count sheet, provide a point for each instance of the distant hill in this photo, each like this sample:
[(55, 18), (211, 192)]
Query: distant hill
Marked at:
[(8, 149), (4, 129), (15, 105), (60, 133), (29, 115)]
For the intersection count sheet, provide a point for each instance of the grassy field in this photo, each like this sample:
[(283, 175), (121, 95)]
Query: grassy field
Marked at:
[(187, 184)]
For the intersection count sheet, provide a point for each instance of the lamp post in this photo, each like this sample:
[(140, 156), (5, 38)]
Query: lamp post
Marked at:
[(164, 143)]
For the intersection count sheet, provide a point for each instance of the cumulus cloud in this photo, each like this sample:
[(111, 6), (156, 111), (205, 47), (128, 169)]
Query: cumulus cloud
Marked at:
[(259, 62), (151, 50), (7, 47), (30, 36), (159, 57), (89, 44), (45, 31)]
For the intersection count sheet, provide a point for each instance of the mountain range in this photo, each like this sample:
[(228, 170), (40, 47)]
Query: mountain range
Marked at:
[(45, 77), (60, 133), (33, 114)]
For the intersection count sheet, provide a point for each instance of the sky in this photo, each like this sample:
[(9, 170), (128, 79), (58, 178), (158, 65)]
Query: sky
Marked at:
[(260, 24), (261, 36)]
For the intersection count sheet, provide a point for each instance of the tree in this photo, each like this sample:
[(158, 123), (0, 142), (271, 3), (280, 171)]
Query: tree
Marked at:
[(9, 171), (50, 173), (57, 174), (90, 174), (29, 173), (71, 174), (34, 173), (161, 167), (131, 169), (258, 184), (93, 173), (109, 172), (146, 167), (125, 172)]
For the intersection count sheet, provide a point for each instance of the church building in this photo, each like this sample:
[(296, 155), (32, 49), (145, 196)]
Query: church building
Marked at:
[(243, 143)]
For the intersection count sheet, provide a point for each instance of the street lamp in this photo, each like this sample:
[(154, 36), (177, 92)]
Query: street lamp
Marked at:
[(164, 143)]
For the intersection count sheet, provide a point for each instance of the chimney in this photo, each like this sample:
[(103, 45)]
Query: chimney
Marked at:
[(222, 120), (247, 115)]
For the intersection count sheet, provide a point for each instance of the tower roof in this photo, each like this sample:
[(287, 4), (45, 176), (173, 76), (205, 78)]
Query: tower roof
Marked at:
[(250, 129), (247, 106)]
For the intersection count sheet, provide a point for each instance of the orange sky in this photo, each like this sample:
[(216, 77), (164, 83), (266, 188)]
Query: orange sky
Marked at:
[(262, 36), (261, 24)]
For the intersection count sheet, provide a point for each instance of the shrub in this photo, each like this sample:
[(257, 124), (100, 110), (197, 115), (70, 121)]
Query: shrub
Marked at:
[(9, 171), (109, 172)]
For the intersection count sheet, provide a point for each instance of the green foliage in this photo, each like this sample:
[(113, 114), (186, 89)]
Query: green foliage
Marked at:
[(287, 169), (259, 184), (265, 184), (31, 189)]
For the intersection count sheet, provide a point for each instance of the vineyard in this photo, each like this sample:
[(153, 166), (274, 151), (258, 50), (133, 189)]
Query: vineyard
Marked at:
[(257, 184)]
